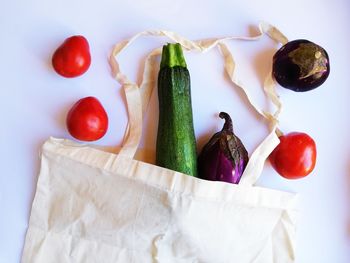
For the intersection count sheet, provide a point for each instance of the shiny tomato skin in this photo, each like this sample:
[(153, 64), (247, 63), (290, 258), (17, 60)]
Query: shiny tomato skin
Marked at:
[(295, 156), (72, 58), (87, 120)]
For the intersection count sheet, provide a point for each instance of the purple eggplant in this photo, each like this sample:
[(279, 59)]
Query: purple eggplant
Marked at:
[(224, 157), (300, 65)]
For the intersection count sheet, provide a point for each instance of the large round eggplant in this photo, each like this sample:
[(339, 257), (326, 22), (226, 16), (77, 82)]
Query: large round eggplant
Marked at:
[(300, 65)]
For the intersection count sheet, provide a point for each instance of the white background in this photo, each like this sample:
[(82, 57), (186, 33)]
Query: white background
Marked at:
[(35, 100)]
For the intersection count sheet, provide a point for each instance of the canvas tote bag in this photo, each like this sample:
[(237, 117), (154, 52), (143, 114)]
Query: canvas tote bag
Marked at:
[(95, 206)]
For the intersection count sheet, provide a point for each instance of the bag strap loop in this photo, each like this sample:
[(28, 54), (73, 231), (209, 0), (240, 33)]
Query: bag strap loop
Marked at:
[(138, 96)]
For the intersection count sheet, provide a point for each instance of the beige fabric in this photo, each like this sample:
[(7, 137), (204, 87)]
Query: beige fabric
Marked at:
[(94, 206), (91, 206)]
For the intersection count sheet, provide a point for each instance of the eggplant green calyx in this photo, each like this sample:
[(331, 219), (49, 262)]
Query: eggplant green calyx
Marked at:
[(172, 56)]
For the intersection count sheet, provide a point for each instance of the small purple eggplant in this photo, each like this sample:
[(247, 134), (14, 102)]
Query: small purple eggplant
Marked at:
[(224, 157)]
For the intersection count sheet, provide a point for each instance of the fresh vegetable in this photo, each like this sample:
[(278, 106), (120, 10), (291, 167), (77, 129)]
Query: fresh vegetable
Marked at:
[(72, 58), (176, 142), (295, 156), (87, 120), (300, 65), (224, 157)]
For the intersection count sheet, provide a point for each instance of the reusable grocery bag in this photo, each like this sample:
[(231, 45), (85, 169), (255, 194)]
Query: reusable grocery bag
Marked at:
[(95, 206)]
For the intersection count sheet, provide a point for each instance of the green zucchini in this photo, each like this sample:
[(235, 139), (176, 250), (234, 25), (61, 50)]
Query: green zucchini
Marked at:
[(176, 142)]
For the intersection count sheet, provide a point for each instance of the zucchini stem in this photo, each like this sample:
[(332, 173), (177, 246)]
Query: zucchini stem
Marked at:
[(172, 56)]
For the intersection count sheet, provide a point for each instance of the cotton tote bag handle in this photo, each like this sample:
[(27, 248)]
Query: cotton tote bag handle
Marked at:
[(138, 96)]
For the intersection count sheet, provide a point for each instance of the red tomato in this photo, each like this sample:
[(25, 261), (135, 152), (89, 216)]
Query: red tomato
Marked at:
[(72, 58), (87, 120), (295, 156)]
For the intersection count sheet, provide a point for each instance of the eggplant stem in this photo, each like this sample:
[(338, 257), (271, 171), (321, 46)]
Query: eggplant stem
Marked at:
[(228, 121)]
